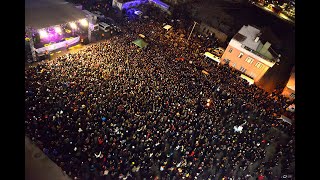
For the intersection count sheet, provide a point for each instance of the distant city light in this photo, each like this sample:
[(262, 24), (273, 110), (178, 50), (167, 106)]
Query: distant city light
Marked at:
[(208, 104), (268, 9), (208, 100), (43, 33), (84, 22), (73, 25), (58, 29), (284, 16)]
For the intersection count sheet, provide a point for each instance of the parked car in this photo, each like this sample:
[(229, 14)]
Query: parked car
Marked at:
[(104, 27)]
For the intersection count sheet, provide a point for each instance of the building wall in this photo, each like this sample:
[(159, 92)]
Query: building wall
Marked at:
[(131, 4), (162, 5), (289, 93), (206, 29), (289, 90), (239, 63)]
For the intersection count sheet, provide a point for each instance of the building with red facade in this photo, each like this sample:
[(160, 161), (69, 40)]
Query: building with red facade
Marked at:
[(246, 53), (289, 90)]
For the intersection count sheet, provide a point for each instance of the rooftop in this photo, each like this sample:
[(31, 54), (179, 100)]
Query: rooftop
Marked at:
[(250, 33), (45, 13), (249, 37)]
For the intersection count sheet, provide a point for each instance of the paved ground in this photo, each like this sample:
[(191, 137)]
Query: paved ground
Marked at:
[(38, 166)]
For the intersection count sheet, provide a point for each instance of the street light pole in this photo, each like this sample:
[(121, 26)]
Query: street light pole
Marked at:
[(192, 30), (90, 25), (31, 43)]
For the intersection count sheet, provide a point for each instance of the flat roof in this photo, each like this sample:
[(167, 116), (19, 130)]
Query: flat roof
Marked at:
[(45, 13), (250, 33)]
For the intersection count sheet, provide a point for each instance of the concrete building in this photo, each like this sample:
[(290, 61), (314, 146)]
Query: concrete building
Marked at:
[(289, 90), (248, 54), (206, 30), (127, 4)]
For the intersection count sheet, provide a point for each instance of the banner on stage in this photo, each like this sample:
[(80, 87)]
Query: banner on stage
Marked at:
[(59, 45)]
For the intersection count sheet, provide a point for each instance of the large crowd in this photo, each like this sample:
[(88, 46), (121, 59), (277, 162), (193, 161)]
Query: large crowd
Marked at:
[(115, 111)]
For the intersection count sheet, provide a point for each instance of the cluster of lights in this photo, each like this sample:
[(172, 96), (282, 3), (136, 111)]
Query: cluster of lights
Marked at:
[(73, 25), (44, 34), (58, 30), (84, 22)]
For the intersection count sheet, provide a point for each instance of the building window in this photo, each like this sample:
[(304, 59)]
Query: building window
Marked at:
[(242, 69), (252, 75), (240, 55), (258, 65), (234, 65), (249, 60), (230, 50)]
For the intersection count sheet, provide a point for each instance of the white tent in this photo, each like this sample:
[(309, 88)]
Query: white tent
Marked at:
[(250, 80), (238, 129), (167, 27), (212, 56), (142, 36)]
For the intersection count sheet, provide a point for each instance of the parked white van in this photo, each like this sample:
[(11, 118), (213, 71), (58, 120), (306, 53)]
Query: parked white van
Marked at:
[(104, 27)]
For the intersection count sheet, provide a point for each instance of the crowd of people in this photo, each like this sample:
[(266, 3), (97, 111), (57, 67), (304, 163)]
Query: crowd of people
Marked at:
[(115, 111)]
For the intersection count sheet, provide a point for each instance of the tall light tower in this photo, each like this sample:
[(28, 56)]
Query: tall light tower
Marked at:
[(90, 27), (31, 43), (192, 30)]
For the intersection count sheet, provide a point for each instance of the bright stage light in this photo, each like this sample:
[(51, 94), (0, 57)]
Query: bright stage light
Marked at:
[(43, 33), (73, 25), (58, 30), (84, 22)]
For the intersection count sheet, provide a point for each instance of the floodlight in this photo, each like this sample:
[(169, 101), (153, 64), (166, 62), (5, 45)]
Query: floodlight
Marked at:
[(58, 29), (43, 33), (84, 22), (73, 25)]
